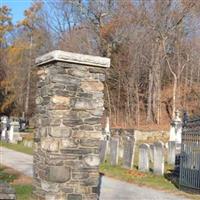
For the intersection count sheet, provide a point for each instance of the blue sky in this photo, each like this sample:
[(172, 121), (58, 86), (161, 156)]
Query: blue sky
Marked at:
[(17, 6)]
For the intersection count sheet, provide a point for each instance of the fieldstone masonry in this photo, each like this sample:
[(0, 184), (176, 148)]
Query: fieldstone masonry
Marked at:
[(7, 192), (69, 110)]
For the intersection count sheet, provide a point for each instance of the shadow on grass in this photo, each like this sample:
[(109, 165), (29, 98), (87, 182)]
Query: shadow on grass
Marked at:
[(172, 176)]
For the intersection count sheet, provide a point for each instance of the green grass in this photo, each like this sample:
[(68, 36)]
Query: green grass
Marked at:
[(134, 176), (5, 177), (17, 147), (145, 179), (23, 192)]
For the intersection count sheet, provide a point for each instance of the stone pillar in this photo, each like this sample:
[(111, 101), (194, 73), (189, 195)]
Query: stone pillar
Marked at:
[(69, 109)]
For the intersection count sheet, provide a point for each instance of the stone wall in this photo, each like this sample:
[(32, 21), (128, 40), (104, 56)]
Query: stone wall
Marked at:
[(139, 134), (7, 192), (151, 135), (69, 110)]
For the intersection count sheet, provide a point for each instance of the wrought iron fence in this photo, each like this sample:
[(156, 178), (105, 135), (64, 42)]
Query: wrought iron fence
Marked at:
[(190, 156)]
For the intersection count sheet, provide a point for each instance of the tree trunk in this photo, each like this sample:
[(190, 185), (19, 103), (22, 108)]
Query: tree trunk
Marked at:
[(28, 80), (149, 105), (174, 97)]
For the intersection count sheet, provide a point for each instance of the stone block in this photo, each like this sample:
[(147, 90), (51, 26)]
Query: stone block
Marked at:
[(61, 100), (85, 104), (59, 174), (68, 143), (49, 145), (60, 131), (74, 197), (92, 86), (92, 160)]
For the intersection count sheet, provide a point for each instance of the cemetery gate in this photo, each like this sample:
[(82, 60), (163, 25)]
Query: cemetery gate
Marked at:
[(190, 156)]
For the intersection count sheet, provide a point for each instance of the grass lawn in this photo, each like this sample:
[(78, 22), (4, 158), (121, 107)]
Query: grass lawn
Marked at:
[(23, 191), (134, 176), (144, 179), (17, 147), (21, 183)]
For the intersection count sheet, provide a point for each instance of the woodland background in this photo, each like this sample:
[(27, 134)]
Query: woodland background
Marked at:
[(154, 46)]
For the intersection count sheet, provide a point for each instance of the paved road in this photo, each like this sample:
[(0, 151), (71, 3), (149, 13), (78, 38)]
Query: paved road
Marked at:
[(110, 189)]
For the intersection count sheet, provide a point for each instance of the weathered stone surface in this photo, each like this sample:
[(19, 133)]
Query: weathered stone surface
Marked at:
[(128, 154), (84, 104), (69, 110), (158, 164), (49, 145), (59, 174), (92, 160), (114, 151), (61, 100), (103, 150), (151, 152), (143, 158), (68, 143), (58, 55), (7, 192), (60, 131), (92, 86), (171, 152), (74, 197)]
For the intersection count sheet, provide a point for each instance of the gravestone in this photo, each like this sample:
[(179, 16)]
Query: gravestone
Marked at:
[(69, 108), (11, 133), (171, 154), (144, 158), (151, 149), (4, 125), (176, 128), (128, 153), (103, 150), (114, 151), (14, 134), (158, 154)]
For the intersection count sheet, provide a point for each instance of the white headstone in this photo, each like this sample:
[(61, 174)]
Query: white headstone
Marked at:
[(143, 158), (171, 152), (158, 164), (114, 151), (128, 153), (11, 133), (151, 152), (176, 128)]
